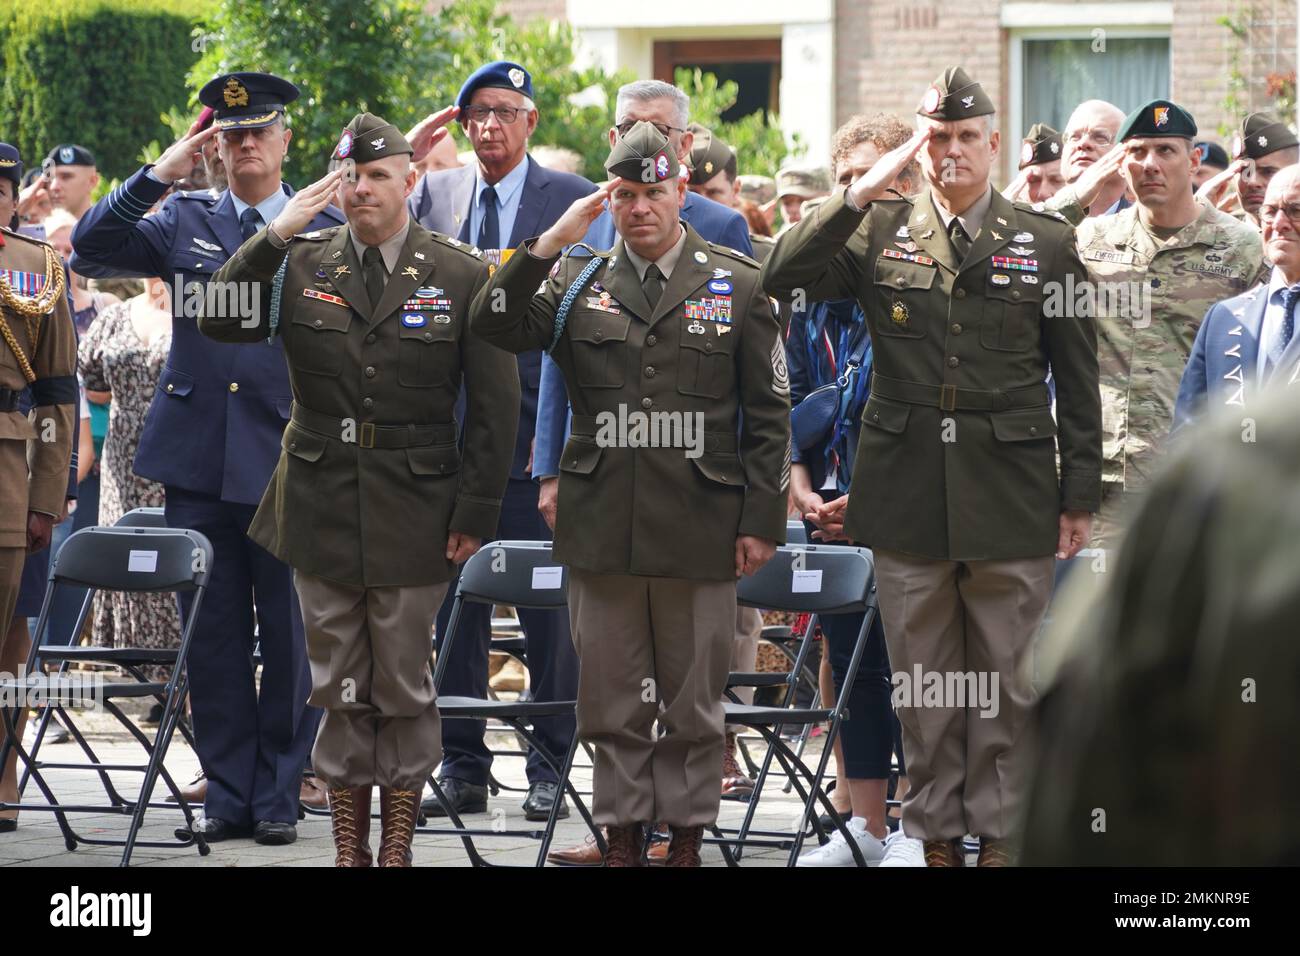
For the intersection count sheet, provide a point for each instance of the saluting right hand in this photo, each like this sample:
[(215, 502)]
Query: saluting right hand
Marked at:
[(430, 131), (1095, 178), (875, 182), (1215, 189), (303, 205), (575, 222), (179, 159)]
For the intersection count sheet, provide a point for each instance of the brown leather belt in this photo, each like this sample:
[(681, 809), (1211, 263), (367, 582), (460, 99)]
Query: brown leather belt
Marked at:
[(950, 398), (370, 435)]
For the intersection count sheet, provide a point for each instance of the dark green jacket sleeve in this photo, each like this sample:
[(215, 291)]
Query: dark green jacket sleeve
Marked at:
[(509, 312), (256, 261), (816, 260), (764, 422)]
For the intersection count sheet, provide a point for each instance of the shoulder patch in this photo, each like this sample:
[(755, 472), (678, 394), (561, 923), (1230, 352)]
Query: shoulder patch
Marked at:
[(1038, 209), (734, 254)]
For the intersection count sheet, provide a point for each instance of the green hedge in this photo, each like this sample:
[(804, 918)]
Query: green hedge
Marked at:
[(96, 72)]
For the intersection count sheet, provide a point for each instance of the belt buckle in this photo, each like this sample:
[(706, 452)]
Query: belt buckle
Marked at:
[(367, 437), (948, 398)]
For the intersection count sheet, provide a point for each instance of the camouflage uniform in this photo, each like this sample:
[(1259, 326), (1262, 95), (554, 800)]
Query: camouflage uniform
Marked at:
[(1142, 355)]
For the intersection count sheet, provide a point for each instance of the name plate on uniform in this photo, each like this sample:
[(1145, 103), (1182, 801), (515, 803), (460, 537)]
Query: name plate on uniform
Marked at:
[(806, 582), (142, 562), (548, 579)]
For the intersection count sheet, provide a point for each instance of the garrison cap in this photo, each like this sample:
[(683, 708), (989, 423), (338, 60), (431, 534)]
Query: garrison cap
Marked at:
[(955, 96), (709, 156), (1260, 135), (501, 75), (69, 154), (11, 165), (1042, 145), (369, 137), (1212, 154), (247, 100), (642, 155), (804, 182), (1158, 118)]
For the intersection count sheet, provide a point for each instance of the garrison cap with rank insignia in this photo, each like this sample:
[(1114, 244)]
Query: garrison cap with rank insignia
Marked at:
[(1262, 134), (69, 154), (1042, 145), (643, 155), (501, 75), (1158, 118), (247, 100), (955, 96), (369, 137), (709, 156)]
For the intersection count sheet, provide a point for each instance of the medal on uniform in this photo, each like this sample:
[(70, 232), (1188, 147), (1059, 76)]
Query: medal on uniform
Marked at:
[(899, 314), (695, 328), (1028, 279), (908, 246)]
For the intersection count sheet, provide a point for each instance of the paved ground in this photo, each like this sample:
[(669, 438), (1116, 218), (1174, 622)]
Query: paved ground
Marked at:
[(38, 842)]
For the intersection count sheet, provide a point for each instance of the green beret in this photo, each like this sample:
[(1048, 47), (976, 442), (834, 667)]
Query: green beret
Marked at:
[(1158, 118), (642, 155), (955, 96), (369, 137), (709, 156), (1042, 145), (1260, 135)]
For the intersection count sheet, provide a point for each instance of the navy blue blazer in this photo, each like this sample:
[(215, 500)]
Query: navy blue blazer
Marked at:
[(712, 220), (441, 201), (1222, 369), (215, 422)]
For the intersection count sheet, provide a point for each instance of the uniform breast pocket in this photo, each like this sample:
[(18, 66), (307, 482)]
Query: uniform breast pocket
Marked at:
[(427, 355), (705, 368), (905, 289), (318, 341), (1013, 309), (599, 356)]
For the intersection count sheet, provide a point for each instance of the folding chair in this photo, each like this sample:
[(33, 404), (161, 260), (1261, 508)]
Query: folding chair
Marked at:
[(132, 560), (520, 574), (817, 579)]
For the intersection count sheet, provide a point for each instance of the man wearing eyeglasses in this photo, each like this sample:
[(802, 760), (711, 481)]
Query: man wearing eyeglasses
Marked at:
[(1090, 164), (212, 437), (1155, 268), (1248, 342), (496, 203)]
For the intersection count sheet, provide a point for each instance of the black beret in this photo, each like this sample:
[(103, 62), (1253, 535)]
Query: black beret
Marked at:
[(69, 154)]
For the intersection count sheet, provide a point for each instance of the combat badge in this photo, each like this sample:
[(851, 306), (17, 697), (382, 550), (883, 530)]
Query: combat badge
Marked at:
[(899, 314)]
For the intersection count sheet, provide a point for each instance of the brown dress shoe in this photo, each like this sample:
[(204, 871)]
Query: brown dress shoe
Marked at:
[(195, 793), (397, 812), (734, 780), (625, 843), (994, 852), (944, 853), (314, 794), (350, 820), (684, 850), (656, 853), (586, 853)]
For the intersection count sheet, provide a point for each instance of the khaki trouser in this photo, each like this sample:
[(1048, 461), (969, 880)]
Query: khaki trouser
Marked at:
[(369, 650), (11, 578), (966, 769), (744, 649), (642, 641)]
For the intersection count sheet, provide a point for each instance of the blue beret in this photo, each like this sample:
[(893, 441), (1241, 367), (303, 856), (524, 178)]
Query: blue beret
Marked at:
[(11, 164), (501, 75)]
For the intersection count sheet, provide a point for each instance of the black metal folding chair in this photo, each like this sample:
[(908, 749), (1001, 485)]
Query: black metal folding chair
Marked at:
[(520, 574), (817, 579), (131, 560)]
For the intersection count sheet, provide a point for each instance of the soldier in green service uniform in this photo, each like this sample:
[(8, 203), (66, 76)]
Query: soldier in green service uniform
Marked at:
[(673, 484), (955, 485), (372, 502), (1155, 269)]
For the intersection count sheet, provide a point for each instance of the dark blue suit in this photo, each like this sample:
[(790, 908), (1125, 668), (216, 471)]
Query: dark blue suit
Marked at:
[(442, 202), (712, 220), (1222, 369), (212, 437)]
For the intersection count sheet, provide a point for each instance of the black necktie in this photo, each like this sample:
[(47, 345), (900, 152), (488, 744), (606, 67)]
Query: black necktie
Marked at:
[(960, 241), (489, 229), (372, 269), (650, 285), (249, 223)]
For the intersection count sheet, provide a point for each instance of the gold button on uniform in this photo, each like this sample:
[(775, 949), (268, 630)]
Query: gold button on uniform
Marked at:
[(234, 386), (171, 387)]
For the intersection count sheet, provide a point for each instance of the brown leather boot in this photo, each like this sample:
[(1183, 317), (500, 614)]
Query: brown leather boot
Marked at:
[(625, 842), (994, 852), (397, 812), (734, 780), (684, 849), (350, 819), (944, 853)]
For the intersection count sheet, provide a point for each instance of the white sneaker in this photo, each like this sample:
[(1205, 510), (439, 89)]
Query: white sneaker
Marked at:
[(902, 850), (837, 851)]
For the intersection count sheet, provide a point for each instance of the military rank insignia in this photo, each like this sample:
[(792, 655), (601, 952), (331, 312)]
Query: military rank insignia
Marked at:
[(899, 314), (1015, 263), (907, 257)]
